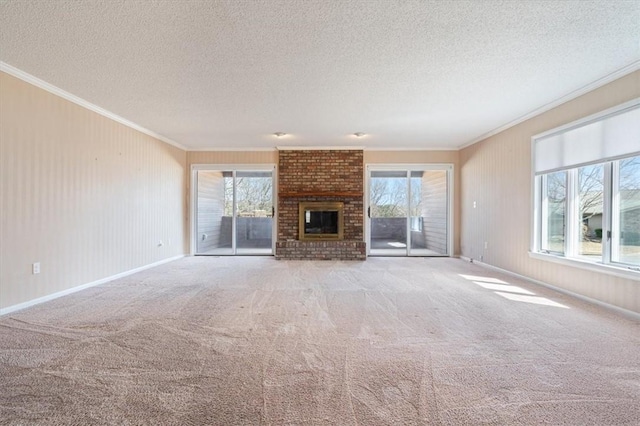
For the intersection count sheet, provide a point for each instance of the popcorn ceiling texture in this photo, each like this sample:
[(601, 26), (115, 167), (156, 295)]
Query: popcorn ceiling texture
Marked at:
[(254, 341), (229, 73), (335, 173)]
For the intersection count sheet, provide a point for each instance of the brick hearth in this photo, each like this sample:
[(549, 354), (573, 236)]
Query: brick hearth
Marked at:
[(311, 175)]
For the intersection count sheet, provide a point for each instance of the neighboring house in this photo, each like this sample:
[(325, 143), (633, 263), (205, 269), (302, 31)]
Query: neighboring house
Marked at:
[(629, 218)]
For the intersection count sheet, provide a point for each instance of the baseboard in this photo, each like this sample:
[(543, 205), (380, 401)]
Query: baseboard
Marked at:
[(52, 296), (624, 312)]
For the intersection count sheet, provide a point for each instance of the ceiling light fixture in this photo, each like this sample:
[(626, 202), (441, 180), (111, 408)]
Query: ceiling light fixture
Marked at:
[(279, 134), (359, 134)]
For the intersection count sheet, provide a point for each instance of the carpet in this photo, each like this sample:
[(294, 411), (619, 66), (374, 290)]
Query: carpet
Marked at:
[(255, 341)]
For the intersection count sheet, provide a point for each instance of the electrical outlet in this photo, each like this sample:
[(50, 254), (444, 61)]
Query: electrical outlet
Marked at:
[(160, 243), (486, 244), (474, 204), (35, 268)]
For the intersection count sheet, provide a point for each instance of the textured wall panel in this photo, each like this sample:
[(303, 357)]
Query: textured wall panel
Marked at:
[(435, 210), (232, 157), (210, 209), (81, 194), (496, 175)]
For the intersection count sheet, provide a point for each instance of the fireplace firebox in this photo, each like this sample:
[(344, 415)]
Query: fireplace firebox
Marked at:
[(321, 220)]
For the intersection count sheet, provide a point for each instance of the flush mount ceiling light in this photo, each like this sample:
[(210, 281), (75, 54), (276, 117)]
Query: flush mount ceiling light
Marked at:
[(359, 134), (279, 134)]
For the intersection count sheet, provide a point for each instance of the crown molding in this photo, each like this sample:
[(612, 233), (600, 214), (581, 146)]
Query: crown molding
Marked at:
[(317, 148), (232, 149), (11, 70), (408, 148), (320, 148), (634, 66)]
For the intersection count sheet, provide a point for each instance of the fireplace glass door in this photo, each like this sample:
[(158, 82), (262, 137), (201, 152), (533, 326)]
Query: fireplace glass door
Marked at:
[(320, 221), (408, 211), (233, 212)]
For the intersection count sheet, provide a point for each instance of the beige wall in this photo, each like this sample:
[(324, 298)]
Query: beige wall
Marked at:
[(232, 157), (496, 174), (411, 157), (81, 194)]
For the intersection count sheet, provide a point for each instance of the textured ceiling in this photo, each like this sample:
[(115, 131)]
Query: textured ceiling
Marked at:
[(410, 74)]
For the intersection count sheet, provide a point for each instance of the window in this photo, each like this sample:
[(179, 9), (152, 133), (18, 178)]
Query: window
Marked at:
[(626, 212), (587, 189), (590, 211), (555, 212)]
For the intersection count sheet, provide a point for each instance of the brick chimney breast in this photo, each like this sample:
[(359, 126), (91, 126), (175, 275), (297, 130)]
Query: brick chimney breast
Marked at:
[(321, 175)]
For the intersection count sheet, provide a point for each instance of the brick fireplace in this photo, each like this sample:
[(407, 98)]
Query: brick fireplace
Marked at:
[(327, 176)]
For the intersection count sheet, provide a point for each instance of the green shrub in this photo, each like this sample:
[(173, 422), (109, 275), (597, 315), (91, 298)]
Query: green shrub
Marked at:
[(599, 232)]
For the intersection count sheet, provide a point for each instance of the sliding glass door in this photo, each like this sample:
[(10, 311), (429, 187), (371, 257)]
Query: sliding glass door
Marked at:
[(233, 211), (409, 210), (388, 212), (254, 212)]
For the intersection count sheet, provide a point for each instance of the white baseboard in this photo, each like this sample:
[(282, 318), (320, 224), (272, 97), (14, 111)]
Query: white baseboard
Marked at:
[(625, 312), (48, 297)]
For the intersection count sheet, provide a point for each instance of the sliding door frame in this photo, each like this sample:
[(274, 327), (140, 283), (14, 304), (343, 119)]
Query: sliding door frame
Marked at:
[(406, 167), (234, 168)]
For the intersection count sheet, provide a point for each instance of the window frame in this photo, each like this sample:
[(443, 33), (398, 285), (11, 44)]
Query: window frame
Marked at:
[(573, 217), (544, 208)]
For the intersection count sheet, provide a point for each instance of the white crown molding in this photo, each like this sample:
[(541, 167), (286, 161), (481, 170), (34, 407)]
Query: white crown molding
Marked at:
[(408, 148), (320, 148), (9, 69), (600, 115), (232, 149), (634, 66)]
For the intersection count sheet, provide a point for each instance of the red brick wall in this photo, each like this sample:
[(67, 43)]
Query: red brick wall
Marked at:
[(317, 173), (330, 171)]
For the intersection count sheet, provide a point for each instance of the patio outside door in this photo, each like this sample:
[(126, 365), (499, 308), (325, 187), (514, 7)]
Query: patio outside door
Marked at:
[(409, 211), (233, 212)]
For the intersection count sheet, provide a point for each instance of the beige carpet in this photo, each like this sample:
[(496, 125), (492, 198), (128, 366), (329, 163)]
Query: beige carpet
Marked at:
[(251, 341)]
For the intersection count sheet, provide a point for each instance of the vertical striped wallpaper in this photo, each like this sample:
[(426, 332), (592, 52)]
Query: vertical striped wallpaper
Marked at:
[(81, 194), (89, 198), (232, 157), (496, 175)]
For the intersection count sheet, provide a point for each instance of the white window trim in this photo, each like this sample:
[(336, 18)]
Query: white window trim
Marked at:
[(607, 235), (615, 212), (614, 269), (609, 212)]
